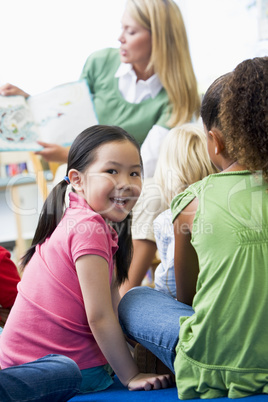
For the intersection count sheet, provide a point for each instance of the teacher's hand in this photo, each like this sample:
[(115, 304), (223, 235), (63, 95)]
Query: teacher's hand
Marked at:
[(53, 152), (10, 90)]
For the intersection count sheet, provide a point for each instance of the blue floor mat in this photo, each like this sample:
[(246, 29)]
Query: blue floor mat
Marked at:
[(117, 392)]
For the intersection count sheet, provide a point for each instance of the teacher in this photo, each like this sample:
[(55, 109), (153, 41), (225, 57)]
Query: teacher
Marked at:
[(147, 86)]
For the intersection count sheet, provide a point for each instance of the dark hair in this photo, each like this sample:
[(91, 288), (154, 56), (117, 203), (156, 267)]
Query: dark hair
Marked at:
[(83, 153), (210, 108), (244, 114)]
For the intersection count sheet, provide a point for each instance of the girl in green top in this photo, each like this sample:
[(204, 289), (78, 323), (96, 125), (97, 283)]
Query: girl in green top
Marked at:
[(221, 249)]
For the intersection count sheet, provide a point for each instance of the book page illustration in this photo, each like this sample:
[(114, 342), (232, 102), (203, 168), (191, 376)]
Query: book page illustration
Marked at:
[(56, 116), (16, 123)]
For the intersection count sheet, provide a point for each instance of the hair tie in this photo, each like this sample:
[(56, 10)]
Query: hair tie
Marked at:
[(66, 178)]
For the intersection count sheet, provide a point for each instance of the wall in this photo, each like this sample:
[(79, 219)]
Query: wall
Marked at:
[(44, 44)]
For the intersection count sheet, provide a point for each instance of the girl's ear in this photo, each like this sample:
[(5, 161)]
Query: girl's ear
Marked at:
[(75, 179), (217, 139)]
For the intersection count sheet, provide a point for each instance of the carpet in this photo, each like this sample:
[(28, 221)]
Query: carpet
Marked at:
[(117, 392)]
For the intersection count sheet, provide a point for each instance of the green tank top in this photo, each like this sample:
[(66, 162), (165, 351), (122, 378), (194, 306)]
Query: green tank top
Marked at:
[(223, 347)]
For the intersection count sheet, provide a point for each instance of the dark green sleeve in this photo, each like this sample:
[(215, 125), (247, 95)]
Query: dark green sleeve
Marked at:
[(93, 65), (87, 72)]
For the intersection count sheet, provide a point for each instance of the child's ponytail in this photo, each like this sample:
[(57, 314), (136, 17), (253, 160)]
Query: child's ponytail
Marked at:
[(49, 218), (124, 253)]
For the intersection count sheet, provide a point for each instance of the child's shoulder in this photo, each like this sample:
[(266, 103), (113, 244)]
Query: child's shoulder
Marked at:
[(180, 201), (195, 190), (218, 183)]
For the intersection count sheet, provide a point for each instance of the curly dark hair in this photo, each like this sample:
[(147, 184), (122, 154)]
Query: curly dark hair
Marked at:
[(244, 114)]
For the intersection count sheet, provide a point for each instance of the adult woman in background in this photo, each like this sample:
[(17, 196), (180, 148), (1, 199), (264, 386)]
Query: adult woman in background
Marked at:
[(147, 86)]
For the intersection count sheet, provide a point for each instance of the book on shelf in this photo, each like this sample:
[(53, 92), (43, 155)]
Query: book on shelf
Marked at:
[(56, 116), (14, 163), (13, 169)]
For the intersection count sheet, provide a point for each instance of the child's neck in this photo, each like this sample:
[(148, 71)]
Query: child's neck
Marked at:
[(233, 167)]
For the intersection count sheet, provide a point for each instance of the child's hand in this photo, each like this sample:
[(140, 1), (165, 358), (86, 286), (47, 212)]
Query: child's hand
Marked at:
[(149, 382)]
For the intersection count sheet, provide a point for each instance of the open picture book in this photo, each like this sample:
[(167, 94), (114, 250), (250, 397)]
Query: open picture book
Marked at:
[(56, 116)]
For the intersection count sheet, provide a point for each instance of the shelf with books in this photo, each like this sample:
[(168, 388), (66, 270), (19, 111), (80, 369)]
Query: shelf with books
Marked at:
[(21, 200)]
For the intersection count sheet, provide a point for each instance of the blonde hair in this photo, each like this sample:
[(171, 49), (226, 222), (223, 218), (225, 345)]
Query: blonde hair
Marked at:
[(183, 160), (170, 56)]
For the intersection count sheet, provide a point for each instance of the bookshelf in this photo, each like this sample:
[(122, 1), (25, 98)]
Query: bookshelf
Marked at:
[(21, 200)]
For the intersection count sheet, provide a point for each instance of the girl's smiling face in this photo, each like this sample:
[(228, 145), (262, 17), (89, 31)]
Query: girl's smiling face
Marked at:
[(111, 185)]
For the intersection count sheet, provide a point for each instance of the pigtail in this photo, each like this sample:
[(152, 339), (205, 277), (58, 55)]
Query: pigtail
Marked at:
[(124, 253), (49, 218)]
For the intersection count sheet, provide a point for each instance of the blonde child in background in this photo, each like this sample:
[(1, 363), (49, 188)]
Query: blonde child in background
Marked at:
[(183, 160), (67, 298)]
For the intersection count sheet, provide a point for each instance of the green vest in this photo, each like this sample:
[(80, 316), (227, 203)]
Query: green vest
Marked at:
[(223, 347), (111, 108)]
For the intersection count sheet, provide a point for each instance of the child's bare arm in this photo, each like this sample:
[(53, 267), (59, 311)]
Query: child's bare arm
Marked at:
[(115, 295), (93, 276), (185, 259)]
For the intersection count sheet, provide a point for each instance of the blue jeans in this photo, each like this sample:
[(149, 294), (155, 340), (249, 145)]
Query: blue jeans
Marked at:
[(51, 378), (152, 318)]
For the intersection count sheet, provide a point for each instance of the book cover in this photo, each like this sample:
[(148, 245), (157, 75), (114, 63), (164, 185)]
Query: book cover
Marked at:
[(56, 116)]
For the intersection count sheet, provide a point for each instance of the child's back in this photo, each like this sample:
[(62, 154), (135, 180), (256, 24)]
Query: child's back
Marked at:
[(230, 237), (223, 346)]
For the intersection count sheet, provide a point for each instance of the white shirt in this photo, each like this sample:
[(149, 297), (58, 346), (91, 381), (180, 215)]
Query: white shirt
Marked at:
[(134, 91), (164, 277)]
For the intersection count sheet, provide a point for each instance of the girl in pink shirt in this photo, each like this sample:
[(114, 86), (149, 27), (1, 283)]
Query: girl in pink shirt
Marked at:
[(68, 296)]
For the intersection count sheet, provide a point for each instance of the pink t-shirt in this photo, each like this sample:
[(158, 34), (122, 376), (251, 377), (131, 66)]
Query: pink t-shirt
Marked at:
[(49, 315)]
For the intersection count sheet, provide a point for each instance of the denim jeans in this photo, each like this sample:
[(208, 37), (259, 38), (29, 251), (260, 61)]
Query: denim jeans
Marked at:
[(51, 378), (152, 318)]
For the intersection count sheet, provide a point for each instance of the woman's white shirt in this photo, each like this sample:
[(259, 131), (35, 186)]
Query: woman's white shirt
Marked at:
[(134, 91)]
